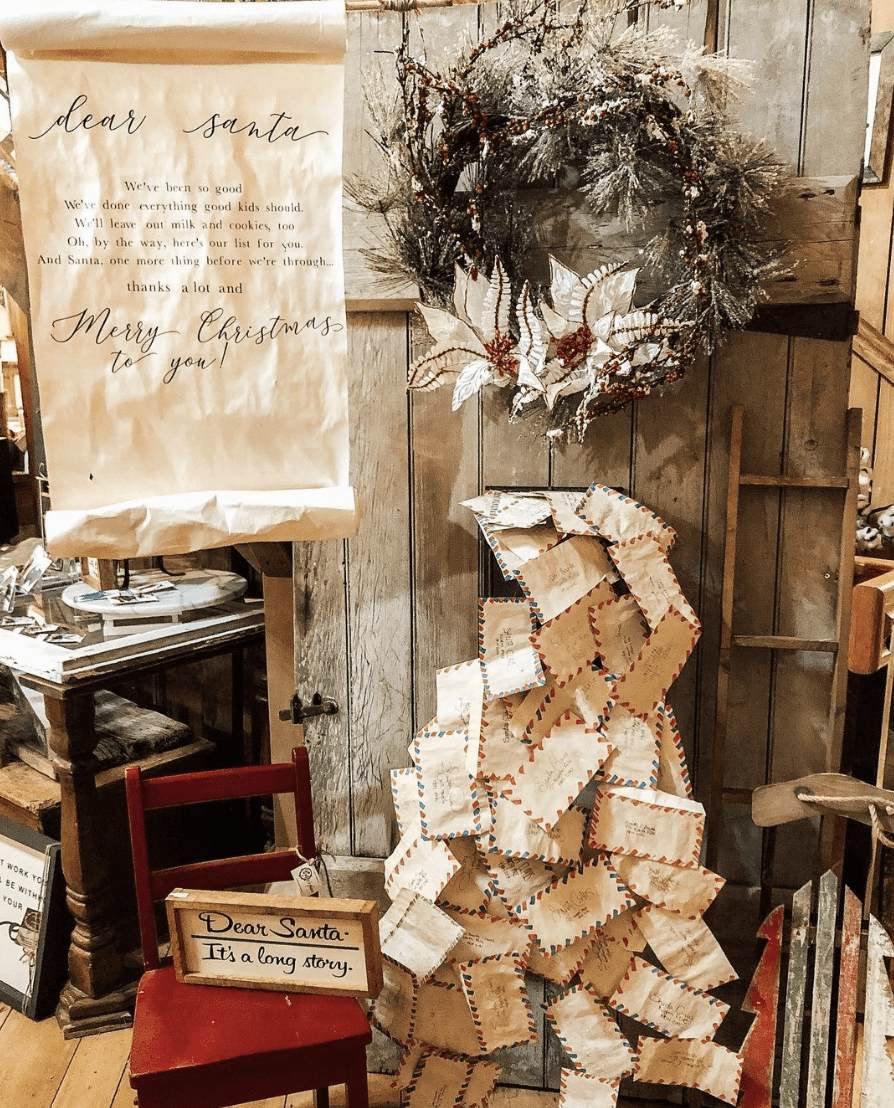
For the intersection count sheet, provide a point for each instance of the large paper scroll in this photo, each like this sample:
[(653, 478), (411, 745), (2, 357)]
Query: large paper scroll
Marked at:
[(180, 180)]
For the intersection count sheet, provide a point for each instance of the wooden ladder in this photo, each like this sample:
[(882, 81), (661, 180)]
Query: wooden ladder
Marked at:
[(718, 793)]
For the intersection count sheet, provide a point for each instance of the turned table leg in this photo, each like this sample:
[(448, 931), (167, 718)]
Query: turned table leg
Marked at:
[(94, 998)]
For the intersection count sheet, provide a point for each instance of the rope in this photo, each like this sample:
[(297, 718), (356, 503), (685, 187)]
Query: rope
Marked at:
[(877, 832), (871, 802)]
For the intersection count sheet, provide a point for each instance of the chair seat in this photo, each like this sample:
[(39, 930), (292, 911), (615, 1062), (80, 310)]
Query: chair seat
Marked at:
[(228, 1037)]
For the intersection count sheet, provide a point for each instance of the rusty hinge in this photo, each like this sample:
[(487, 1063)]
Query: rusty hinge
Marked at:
[(298, 711)]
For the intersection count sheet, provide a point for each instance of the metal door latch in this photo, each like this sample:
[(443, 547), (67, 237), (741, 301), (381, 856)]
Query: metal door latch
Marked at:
[(298, 711)]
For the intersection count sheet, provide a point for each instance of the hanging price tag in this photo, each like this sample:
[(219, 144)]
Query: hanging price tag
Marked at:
[(308, 878)]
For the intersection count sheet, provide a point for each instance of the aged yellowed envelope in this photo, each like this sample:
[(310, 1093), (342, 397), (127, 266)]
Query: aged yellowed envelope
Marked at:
[(648, 824), (618, 518), (566, 642), (589, 1034), (563, 574), (686, 948), (509, 660), (688, 890), (580, 1090), (693, 1064), (460, 700), (589, 895), (422, 865), (570, 755), (501, 1011), (416, 934), (666, 1004)]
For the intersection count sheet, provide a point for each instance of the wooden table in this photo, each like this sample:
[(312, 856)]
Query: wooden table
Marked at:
[(98, 996)]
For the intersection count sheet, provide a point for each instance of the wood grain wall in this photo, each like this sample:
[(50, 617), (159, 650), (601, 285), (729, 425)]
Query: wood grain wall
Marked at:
[(872, 374)]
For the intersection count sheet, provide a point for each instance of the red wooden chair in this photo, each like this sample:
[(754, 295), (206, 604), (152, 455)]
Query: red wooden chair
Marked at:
[(205, 1046)]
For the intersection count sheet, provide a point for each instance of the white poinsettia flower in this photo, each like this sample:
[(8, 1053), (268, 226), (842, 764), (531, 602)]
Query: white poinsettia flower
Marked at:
[(532, 348), (594, 331), (472, 348)]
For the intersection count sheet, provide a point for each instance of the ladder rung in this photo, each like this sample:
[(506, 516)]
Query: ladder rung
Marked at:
[(737, 796), (785, 642), (781, 482)]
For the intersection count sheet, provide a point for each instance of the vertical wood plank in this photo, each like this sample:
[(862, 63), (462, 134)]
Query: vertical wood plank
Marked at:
[(444, 450), (810, 555), (379, 580), (279, 644), (864, 394), (669, 478), (605, 455), (321, 661), (821, 1005), (839, 33), (444, 460), (846, 1015), (749, 370), (512, 454), (878, 1024), (795, 995), (883, 460), (875, 253), (772, 109), (724, 653)]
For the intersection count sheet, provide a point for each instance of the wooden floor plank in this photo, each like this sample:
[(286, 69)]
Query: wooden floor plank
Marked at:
[(21, 1042), (4, 1012), (124, 1096), (94, 1073)]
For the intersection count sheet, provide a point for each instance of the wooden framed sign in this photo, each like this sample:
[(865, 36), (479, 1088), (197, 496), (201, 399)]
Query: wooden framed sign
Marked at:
[(287, 943), (34, 924)]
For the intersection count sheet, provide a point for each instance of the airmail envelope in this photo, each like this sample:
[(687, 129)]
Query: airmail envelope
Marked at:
[(566, 643), (556, 772), (511, 664), (589, 1034), (692, 1064), (666, 1004), (648, 824), (563, 574)]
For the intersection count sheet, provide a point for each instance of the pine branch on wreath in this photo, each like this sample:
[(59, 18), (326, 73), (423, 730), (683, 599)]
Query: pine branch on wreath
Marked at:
[(641, 123)]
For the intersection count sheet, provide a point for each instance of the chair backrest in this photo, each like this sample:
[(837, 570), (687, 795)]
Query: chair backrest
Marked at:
[(148, 794)]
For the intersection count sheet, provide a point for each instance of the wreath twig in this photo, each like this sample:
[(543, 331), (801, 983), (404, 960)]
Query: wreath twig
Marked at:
[(636, 122)]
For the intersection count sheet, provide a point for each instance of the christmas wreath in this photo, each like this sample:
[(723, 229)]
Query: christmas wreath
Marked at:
[(631, 119)]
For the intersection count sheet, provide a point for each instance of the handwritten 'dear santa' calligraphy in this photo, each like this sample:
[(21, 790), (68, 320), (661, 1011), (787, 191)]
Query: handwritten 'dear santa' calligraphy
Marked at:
[(183, 239), (582, 863)]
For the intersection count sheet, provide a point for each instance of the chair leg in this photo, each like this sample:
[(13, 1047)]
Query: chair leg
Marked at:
[(321, 1097), (356, 1086)]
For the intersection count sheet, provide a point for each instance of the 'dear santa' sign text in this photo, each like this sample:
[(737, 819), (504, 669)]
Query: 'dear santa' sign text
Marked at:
[(293, 944)]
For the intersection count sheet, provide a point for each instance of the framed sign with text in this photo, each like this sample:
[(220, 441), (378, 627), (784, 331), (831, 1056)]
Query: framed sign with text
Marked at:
[(290, 944), (34, 923)]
